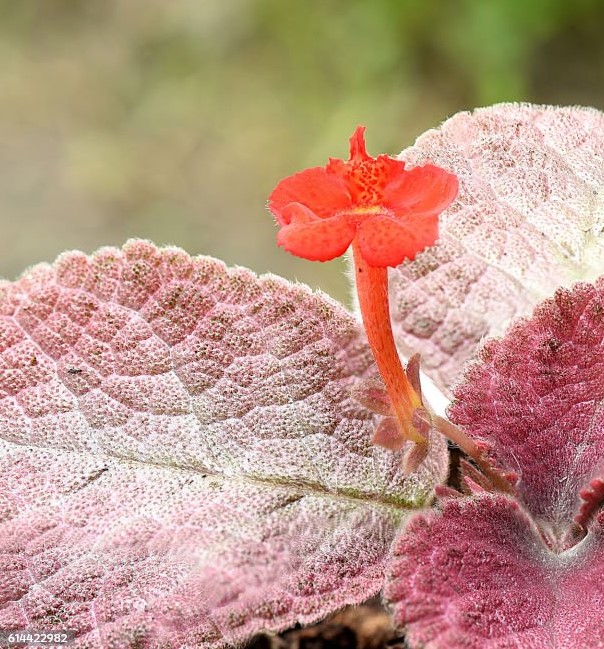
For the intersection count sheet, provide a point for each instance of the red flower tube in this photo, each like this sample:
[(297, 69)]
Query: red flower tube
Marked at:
[(388, 214)]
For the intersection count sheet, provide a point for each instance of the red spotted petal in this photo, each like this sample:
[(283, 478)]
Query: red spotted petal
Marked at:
[(383, 241), (424, 228), (365, 192), (367, 179), (310, 237), (323, 193), (421, 191)]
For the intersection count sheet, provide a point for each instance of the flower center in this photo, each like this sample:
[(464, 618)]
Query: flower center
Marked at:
[(367, 180), (362, 211)]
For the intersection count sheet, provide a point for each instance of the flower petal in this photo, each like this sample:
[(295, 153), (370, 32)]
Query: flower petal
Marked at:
[(321, 192), (424, 228), (310, 237), (358, 149), (367, 179), (421, 191), (383, 241)]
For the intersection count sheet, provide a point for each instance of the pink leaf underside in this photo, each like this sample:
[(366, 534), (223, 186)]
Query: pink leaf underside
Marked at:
[(528, 218), (181, 462), (536, 398), (478, 576)]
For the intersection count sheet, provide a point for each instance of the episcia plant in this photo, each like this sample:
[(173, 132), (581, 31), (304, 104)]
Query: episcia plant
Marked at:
[(191, 454)]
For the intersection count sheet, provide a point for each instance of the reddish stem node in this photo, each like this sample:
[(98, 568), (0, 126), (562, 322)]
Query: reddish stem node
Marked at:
[(475, 452)]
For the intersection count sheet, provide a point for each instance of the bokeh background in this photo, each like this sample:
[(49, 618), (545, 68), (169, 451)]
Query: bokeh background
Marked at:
[(174, 119)]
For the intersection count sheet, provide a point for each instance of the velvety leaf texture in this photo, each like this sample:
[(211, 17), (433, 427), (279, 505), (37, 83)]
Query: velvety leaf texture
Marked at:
[(181, 462), (478, 576), (523, 571), (528, 218), (536, 396)]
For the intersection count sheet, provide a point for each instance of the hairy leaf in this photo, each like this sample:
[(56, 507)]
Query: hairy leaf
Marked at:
[(536, 398), (181, 461), (528, 218), (479, 576), (494, 572)]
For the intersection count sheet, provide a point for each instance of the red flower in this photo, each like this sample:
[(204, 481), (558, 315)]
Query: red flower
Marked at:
[(388, 214), (392, 212)]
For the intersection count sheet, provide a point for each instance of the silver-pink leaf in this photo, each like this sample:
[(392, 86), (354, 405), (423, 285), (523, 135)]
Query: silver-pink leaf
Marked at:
[(528, 219), (181, 461)]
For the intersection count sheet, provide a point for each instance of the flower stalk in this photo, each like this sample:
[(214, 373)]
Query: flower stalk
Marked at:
[(372, 290)]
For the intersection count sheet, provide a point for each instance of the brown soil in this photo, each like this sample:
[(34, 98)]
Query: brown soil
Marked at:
[(366, 626)]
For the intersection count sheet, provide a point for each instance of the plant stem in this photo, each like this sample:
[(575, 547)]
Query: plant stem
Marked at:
[(472, 450), (372, 289)]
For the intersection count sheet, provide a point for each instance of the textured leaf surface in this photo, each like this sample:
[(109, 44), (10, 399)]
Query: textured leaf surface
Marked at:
[(478, 576), (181, 461), (536, 396), (528, 218)]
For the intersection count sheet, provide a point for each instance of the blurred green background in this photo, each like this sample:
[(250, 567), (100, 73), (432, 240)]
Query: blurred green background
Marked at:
[(174, 119)]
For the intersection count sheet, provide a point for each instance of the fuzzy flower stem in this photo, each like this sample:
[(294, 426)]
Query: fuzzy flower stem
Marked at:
[(472, 450), (372, 289)]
